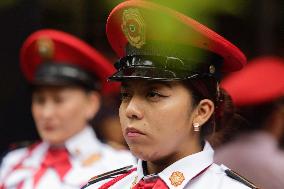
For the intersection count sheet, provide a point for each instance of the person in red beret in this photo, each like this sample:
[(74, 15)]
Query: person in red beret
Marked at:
[(168, 68), (258, 92), (67, 78)]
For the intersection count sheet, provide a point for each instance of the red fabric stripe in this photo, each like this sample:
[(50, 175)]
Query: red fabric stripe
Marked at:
[(20, 185), (201, 172), (116, 179), (19, 164), (57, 159), (156, 183)]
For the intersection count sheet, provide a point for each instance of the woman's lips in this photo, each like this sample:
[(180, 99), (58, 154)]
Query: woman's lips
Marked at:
[(132, 132), (48, 128)]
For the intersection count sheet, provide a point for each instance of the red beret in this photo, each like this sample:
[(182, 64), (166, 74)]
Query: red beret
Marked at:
[(59, 47), (261, 81), (138, 22)]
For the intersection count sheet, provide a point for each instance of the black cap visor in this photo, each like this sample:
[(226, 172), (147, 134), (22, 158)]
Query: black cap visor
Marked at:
[(59, 74), (148, 73), (155, 68)]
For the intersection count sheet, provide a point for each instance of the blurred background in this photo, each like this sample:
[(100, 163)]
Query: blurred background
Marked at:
[(255, 26)]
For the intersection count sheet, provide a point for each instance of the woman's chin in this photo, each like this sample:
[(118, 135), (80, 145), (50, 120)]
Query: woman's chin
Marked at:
[(145, 155), (53, 140)]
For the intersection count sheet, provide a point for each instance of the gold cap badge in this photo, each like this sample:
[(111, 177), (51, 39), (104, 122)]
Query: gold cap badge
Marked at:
[(133, 27), (45, 47), (176, 178)]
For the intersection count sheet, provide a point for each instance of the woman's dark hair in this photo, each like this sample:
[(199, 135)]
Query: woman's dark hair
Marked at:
[(244, 120), (207, 88), (204, 88)]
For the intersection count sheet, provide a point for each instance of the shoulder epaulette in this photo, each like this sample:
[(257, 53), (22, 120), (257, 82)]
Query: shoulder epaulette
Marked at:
[(14, 146), (107, 175), (22, 144), (232, 174)]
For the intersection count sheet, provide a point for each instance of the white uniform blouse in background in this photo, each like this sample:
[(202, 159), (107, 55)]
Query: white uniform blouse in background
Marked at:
[(196, 171), (87, 155), (257, 157)]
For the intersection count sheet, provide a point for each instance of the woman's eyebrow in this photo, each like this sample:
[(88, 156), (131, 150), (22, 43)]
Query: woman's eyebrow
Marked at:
[(124, 85), (167, 84)]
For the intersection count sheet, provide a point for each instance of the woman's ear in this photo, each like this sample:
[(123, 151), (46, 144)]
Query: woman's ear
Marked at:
[(93, 104), (203, 112)]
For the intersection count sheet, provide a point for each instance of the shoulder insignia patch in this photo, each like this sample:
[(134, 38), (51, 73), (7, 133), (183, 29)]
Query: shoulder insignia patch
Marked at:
[(108, 175), (232, 174)]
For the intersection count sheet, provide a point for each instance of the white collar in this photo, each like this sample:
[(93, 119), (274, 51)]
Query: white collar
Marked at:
[(189, 166), (84, 144)]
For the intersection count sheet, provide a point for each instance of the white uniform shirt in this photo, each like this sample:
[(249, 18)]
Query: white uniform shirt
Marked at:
[(88, 157), (196, 171)]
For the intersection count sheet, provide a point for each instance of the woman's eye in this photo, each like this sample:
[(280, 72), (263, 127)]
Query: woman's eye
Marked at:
[(154, 95), (38, 99), (58, 99)]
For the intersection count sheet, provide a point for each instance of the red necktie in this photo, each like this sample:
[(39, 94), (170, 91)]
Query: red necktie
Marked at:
[(153, 183), (57, 159)]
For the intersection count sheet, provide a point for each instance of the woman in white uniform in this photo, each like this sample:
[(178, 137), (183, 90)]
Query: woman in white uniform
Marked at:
[(258, 93), (168, 68), (67, 77)]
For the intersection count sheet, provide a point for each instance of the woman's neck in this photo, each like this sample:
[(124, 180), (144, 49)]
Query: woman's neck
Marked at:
[(152, 167)]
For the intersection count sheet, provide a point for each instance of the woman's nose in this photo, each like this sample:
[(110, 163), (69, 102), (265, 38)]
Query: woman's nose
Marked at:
[(134, 108), (47, 110)]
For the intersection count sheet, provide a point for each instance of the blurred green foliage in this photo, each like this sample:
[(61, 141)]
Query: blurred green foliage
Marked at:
[(202, 10), (8, 3)]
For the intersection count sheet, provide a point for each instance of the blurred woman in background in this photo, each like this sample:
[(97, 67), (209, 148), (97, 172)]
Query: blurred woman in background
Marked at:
[(258, 92), (67, 77)]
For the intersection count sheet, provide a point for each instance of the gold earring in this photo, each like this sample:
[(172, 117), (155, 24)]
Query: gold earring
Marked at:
[(196, 127)]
